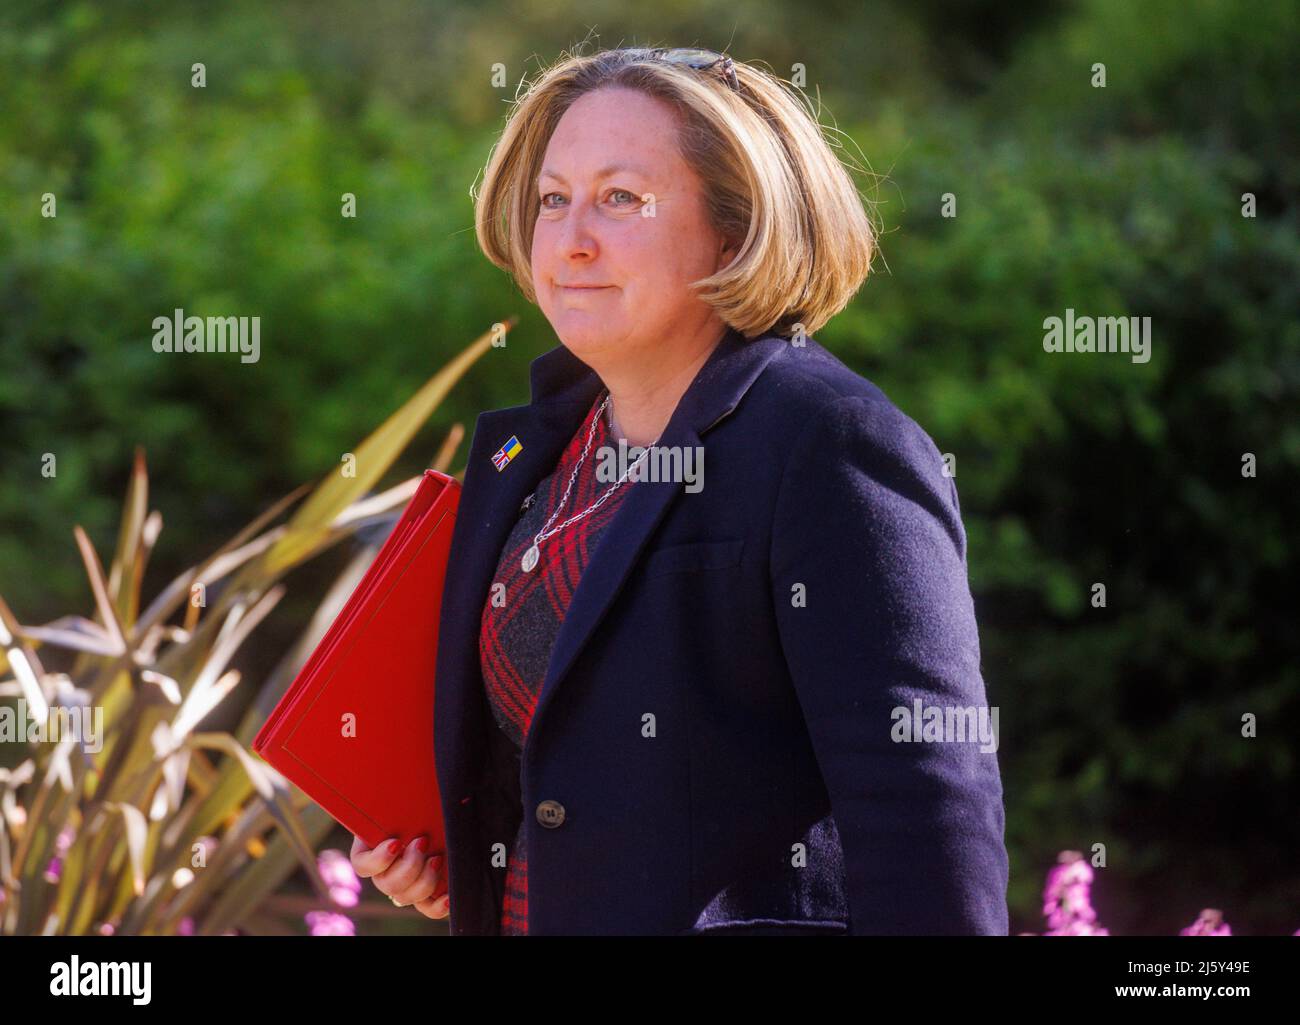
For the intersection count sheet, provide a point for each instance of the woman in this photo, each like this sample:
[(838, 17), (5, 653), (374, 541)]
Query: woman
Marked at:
[(670, 702)]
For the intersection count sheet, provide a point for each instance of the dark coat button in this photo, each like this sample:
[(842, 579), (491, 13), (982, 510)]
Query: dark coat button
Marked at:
[(550, 814)]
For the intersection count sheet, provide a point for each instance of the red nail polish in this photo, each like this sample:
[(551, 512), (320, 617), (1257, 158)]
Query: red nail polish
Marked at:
[(394, 846), (422, 844)]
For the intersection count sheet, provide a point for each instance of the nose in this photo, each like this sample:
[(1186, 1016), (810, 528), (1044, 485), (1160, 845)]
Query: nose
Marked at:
[(576, 240)]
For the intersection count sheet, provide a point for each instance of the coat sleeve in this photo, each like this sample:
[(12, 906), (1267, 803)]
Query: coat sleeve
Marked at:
[(867, 521)]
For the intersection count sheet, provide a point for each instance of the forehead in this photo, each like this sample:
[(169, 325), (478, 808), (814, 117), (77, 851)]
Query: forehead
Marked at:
[(615, 128)]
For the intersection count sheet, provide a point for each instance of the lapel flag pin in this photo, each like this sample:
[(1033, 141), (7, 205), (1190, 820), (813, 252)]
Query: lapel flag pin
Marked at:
[(506, 452)]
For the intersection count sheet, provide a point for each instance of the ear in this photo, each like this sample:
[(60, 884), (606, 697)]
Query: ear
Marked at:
[(727, 253)]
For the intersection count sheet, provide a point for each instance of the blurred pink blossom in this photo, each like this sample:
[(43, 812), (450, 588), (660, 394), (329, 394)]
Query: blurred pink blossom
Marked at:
[(1210, 923), (1067, 904), (1067, 898), (330, 923), (336, 870), (61, 844)]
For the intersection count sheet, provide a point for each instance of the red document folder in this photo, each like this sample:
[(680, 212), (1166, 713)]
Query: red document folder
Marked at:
[(355, 729)]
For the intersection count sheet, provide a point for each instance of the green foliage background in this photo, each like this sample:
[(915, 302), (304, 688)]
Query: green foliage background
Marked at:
[(1119, 725)]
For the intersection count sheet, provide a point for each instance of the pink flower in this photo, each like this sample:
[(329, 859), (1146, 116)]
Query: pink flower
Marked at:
[(61, 844), (1067, 898), (1080, 929), (330, 923), (1210, 923), (186, 927), (336, 870), (1067, 904)]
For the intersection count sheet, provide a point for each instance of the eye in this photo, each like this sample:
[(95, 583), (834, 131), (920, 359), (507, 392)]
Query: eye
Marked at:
[(620, 197)]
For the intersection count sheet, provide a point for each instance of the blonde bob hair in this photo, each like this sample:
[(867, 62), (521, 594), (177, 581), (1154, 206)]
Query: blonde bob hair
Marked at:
[(770, 179)]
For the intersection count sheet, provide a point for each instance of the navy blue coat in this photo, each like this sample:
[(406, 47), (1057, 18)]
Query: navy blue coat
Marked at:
[(717, 721)]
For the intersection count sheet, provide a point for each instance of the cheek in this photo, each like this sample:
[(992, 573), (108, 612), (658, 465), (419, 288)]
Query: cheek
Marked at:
[(678, 241), (540, 246), (651, 253)]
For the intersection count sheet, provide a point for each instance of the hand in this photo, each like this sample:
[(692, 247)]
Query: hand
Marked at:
[(411, 878)]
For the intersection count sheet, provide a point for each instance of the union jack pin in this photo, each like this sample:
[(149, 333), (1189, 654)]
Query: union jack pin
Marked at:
[(502, 456)]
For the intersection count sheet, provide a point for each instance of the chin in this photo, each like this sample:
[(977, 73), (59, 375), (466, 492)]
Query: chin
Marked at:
[(582, 332), (581, 342)]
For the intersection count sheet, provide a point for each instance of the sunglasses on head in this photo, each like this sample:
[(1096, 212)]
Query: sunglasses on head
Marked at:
[(699, 60)]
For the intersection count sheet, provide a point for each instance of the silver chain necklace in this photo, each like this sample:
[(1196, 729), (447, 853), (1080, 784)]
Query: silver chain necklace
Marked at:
[(531, 556)]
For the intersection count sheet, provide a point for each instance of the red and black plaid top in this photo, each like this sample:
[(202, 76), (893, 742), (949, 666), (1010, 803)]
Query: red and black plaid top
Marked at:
[(518, 633)]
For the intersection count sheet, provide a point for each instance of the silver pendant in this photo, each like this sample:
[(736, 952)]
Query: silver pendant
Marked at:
[(530, 559)]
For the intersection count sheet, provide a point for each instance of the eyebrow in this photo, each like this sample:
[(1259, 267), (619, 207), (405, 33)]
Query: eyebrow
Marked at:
[(604, 172)]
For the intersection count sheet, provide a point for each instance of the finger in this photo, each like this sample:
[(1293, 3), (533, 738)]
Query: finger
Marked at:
[(369, 862), (435, 907), (441, 891), (425, 885), (404, 871)]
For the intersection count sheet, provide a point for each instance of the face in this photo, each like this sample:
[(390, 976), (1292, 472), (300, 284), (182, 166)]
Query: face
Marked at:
[(614, 282)]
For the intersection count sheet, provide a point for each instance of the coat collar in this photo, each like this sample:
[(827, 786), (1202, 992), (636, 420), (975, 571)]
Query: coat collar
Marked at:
[(563, 389)]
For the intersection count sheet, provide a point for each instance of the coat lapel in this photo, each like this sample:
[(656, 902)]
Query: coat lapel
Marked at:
[(563, 390), (489, 507)]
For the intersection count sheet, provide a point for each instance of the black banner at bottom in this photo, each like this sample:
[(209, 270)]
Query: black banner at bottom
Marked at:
[(330, 974)]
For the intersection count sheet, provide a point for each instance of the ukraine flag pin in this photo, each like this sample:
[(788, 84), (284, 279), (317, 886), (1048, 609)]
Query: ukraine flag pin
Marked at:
[(506, 452)]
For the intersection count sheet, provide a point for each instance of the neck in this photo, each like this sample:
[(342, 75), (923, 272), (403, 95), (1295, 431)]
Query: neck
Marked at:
[(644, 396)]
